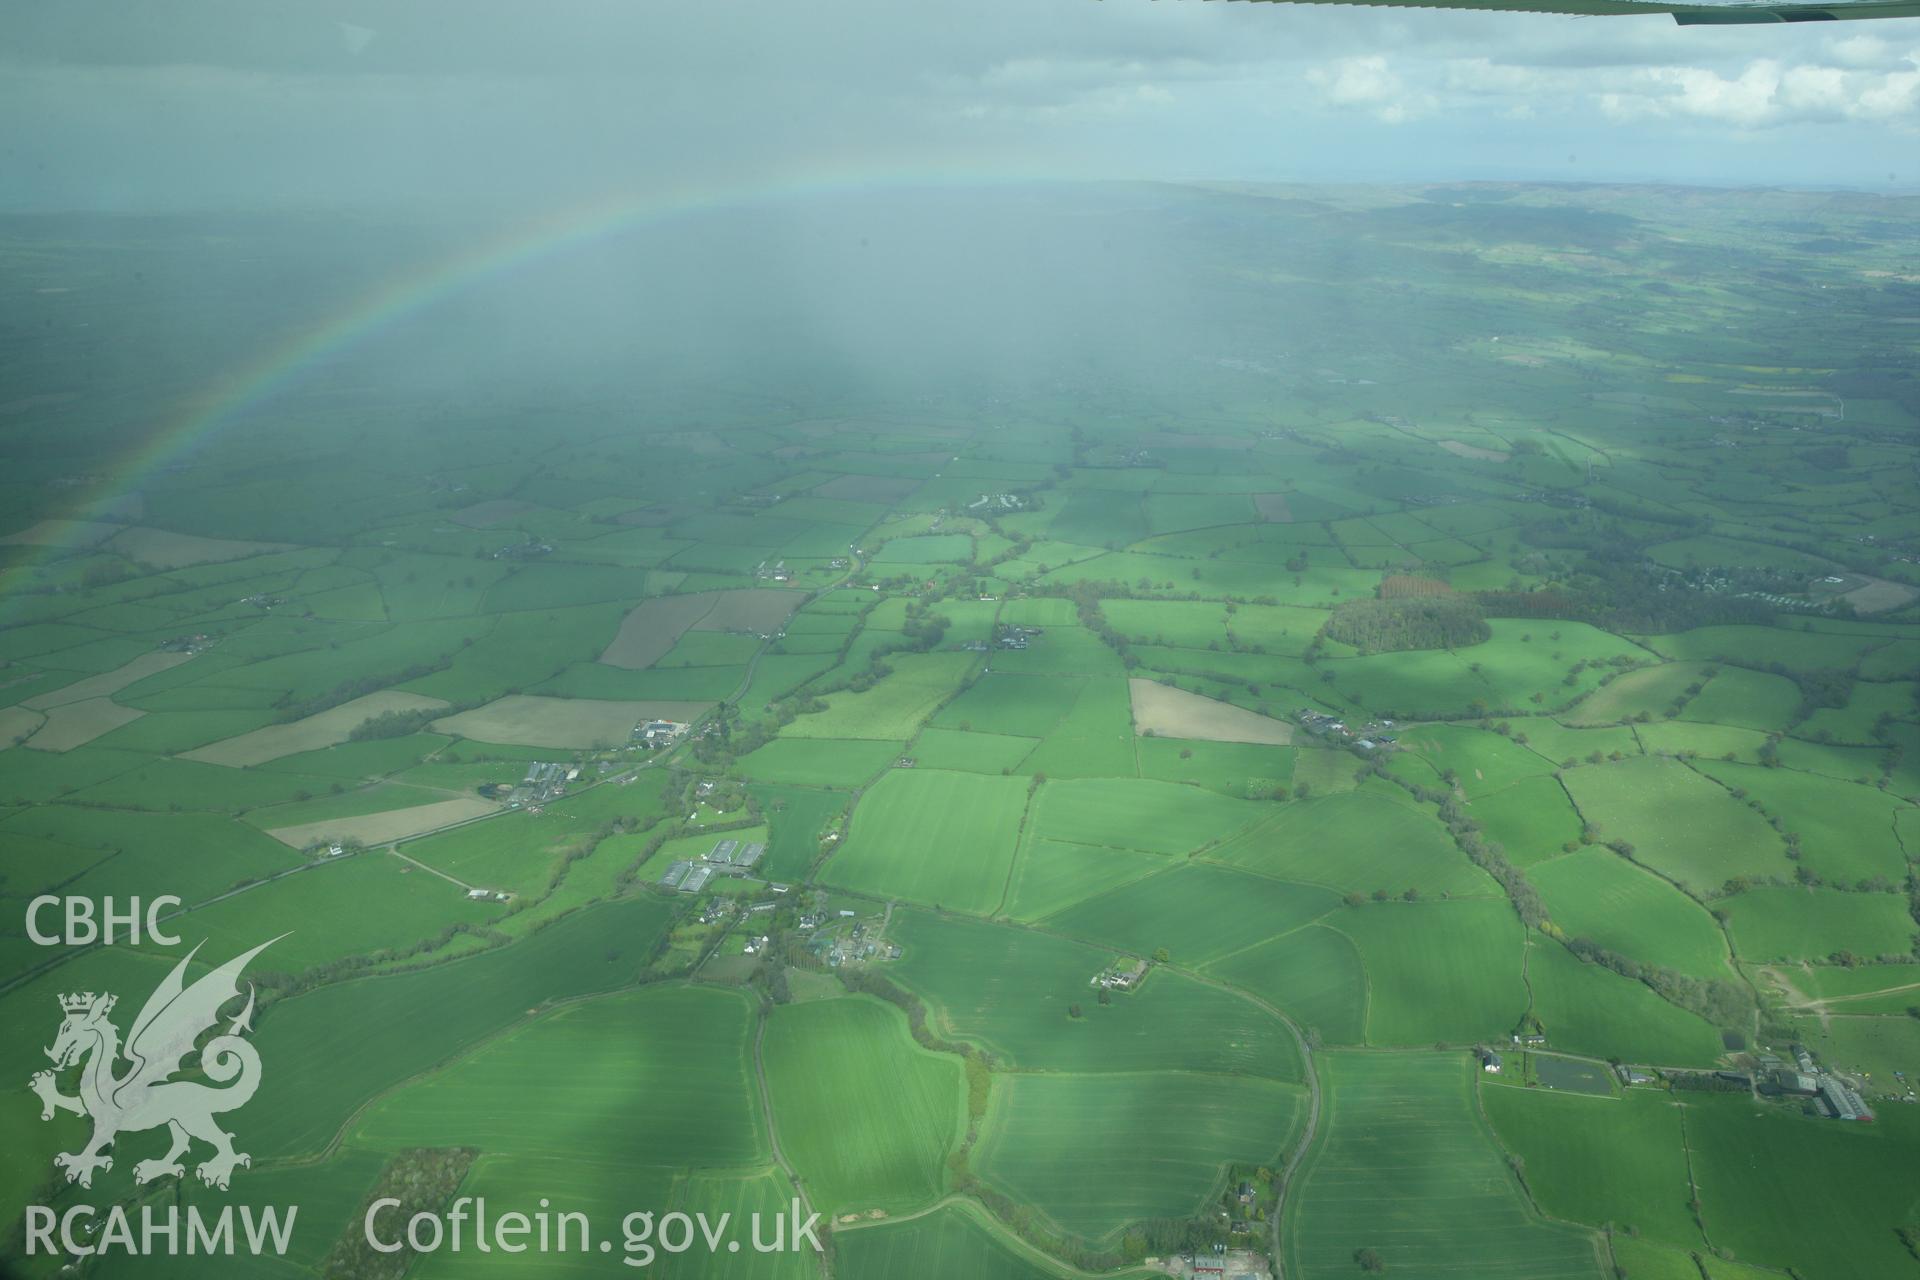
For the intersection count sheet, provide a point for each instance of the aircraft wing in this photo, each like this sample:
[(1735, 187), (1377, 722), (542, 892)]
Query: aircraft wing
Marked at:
[(1730, 13)]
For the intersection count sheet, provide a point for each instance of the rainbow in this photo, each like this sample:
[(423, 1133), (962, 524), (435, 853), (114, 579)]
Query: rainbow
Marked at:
[(402, 295)]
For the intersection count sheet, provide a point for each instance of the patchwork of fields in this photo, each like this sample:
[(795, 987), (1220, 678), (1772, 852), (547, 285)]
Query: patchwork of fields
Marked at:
[(1041, 827)]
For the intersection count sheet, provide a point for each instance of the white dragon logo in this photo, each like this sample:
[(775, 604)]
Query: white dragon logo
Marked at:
[(143, 1097)]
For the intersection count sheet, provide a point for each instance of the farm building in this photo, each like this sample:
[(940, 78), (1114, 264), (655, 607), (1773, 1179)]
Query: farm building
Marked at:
[(1842, 1103), (1791, 1082), (722, 853), (1490, 1062), (696, 879), (1121, 977), (1636, 1075), (675, 874)]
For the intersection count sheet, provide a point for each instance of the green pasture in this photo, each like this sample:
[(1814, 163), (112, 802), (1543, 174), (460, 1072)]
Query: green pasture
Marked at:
[(1810, 1193), (1012, 992), (1314, 973), (1094, 1153), (1746, 699), (1243, 770), (895, 707), (1775, 923), (1589, 1009), (1846, 831), (952, 1243), (406, 1023), (933, 837), (970, 752), (1195, 912), (1359, 841), (1678, 823), (1437, 971), (1136, 813), (819, 762), (1024, 706), (865, 1115), (1051, 875), (1531, 821), (1596, 894), (1405, 1165), (661, 1075), (1599, 1160)]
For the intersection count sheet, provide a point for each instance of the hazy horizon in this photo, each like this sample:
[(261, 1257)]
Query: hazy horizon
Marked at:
[(219, 105)]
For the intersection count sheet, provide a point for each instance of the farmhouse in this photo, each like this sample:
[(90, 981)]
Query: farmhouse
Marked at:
[(1120, 977), (657, 733)]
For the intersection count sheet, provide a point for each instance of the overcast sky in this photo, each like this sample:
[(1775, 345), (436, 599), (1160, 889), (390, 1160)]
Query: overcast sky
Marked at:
[(130, 104)]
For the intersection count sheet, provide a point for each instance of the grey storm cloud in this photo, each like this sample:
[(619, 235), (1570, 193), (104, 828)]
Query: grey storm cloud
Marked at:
[(107, 103)]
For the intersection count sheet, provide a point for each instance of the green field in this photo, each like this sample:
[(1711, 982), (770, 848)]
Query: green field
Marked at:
[(1678, 822), (1407, 1167), (1589, 1009), (949, 1244), (893, 708), (1138, 814), (1792, 924), (938, 838), (1196, 912), (1355, 842), (1437, 971), (1315, 974), (1808, 1193), (1594, 893), (1011, 993), (1097, 1152), (865, 1115), (665, 1077), (1619, 1160)]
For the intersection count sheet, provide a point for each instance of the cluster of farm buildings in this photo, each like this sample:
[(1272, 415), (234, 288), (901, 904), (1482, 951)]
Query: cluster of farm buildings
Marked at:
[(1366, 738), (865, 940), (1773, 1076), (1124, 976), (546, 780), (1008, 636), (1805, 1078), (655, 735), (726, 858)]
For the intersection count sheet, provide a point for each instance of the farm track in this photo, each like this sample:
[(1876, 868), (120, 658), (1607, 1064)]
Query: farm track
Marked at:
[(1299, 1155), (1039, 1257), (773, 1130)]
